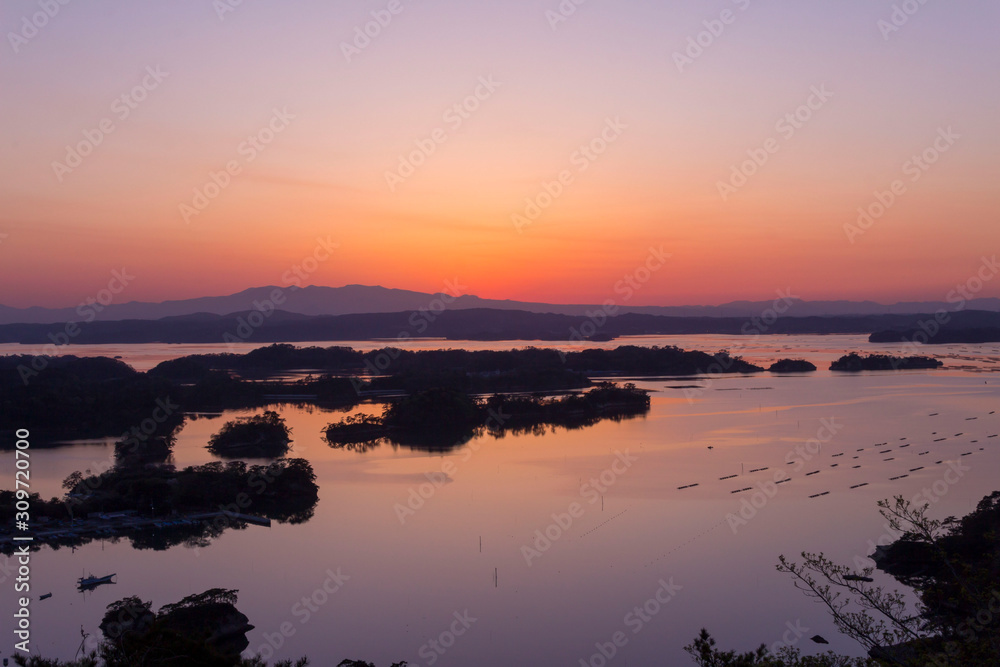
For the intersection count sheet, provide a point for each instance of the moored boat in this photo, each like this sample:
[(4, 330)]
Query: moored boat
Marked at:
[(91, 581)]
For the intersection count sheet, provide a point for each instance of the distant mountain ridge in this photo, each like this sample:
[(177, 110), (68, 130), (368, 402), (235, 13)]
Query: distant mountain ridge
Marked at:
[(487, 324), (362, 299)]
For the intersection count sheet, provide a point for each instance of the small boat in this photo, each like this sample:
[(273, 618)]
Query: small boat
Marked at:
[(84, 583), (45, 596)]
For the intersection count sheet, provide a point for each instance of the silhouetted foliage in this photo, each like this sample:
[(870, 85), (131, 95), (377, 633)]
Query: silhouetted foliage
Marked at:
[(259, 435), (129, 614), (882, 362), (518, 368), (443, 418), (705, 654), (204, 629), (284, 490), (264, 361), (953, 566), (945, 336), (792, 366), (192, 369), (95, 396)]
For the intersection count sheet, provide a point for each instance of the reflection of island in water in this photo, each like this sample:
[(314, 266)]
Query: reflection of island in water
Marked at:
[(441, 419), (792, 366), (100, 397), (436, 407), (259, 436), (159, 507), (854, 362)]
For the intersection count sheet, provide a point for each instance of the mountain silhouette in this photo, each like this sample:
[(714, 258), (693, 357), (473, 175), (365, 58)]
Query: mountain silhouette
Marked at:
[(364, 299)]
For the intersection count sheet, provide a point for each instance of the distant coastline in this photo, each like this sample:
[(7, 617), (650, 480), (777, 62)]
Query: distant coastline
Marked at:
[(482, 324)]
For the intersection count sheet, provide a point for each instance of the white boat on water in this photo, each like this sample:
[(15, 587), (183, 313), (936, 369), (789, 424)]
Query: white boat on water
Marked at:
[(92, 582)]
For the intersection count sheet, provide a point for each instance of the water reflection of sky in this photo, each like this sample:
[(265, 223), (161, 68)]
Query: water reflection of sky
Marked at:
[(407, 580)]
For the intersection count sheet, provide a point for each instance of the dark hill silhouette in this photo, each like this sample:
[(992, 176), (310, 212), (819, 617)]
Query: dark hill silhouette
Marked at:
[(470, 324), (364, 299), (944, 336), (792, 366)]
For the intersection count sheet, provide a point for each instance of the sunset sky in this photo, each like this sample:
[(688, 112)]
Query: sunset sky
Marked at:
[(310, 129)]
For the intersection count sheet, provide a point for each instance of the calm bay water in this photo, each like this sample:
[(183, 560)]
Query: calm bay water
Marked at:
[(622, 536)]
